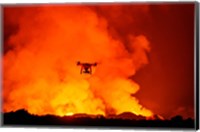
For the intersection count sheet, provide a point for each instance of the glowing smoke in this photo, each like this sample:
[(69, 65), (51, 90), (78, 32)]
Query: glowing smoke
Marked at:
[(40, 71)]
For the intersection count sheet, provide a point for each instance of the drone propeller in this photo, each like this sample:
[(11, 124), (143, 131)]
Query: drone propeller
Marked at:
[(78, 63)]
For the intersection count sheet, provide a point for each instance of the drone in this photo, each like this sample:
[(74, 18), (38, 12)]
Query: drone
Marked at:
[(86, 67)]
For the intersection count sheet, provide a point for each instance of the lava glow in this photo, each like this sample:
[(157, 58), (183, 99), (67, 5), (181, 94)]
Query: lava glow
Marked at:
[(69, 114), (40, 71)]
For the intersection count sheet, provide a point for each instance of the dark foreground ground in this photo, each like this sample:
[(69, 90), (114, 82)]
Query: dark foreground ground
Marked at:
[(21, 118)]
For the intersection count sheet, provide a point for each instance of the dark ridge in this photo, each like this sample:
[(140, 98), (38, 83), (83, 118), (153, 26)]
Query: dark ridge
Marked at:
[(22, 117)]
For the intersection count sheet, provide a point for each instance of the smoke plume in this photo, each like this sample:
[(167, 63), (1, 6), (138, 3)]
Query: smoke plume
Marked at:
[(39, 65)]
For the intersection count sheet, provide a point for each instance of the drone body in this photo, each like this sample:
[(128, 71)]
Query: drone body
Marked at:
[(86, 67)]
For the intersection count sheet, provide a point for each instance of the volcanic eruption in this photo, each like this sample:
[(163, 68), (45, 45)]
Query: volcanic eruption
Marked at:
[(40, 73)]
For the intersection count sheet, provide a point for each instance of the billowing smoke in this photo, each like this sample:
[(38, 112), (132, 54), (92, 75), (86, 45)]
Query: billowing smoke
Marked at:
[(39, 65)]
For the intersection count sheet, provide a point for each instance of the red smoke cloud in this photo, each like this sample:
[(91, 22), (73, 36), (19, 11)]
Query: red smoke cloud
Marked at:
[(40, 71)]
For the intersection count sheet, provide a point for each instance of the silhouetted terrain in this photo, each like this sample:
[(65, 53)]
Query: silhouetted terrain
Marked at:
[(22, 117)]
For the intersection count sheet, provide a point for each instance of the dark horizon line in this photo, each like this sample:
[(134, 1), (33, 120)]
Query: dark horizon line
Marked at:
[(106, 116)]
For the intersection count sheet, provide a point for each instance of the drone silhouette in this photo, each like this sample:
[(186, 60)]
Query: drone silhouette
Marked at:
[(86, 67)]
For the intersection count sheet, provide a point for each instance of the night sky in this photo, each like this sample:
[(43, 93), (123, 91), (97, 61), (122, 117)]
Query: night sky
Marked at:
[(169, 77)]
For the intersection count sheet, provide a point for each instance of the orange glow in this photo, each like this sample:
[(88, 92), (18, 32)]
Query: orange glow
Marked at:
[(41, 75), (69, 114)]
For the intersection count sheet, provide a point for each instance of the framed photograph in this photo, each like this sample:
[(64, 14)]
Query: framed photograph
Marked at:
[(111, 65)]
